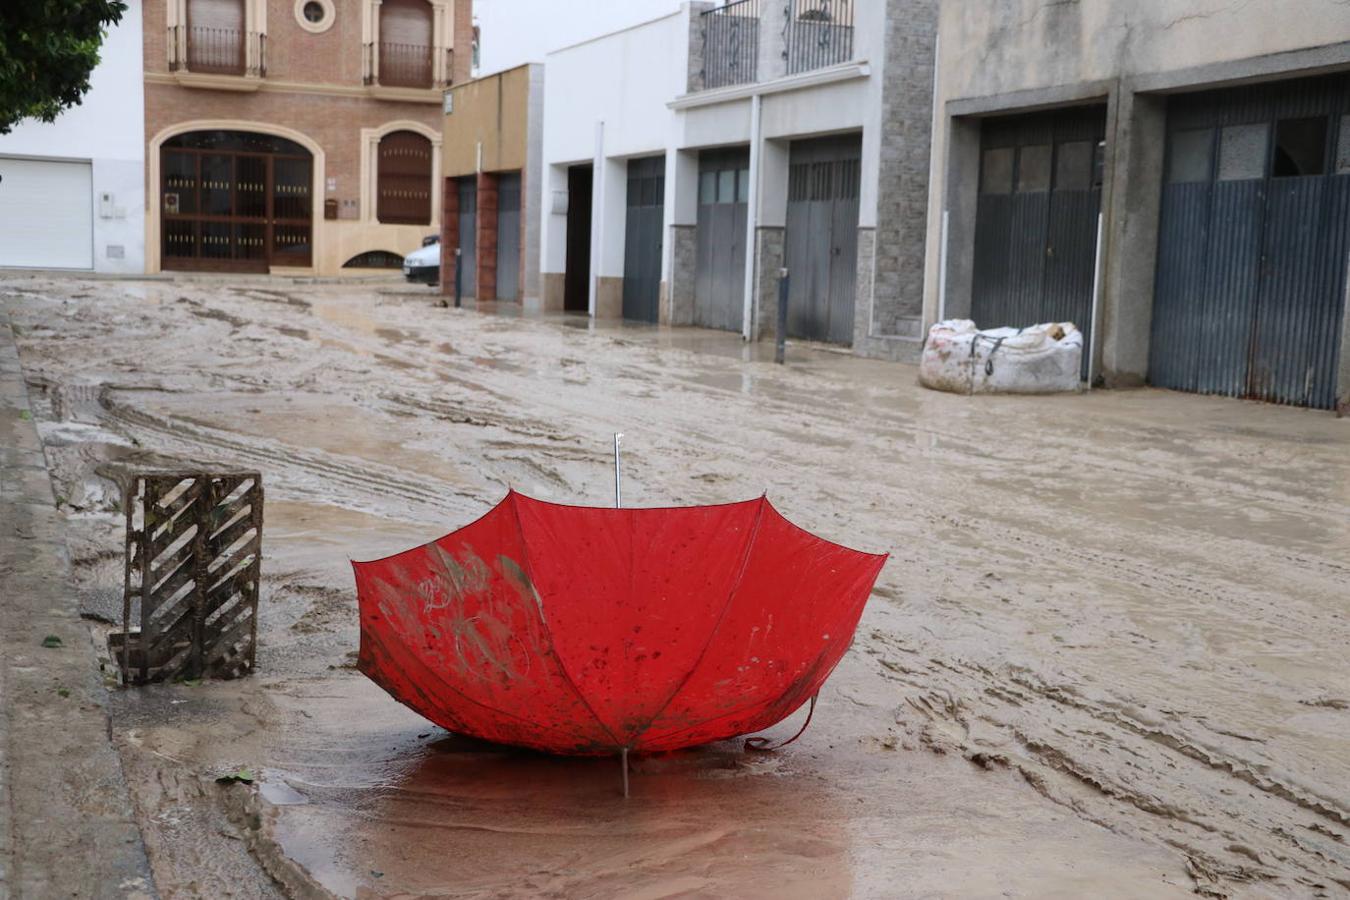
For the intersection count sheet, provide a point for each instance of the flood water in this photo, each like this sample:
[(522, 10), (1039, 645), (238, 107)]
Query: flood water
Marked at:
[(1108, 656)]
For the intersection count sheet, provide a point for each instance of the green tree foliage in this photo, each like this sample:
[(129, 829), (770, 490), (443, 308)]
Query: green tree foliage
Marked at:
[(47, 50)]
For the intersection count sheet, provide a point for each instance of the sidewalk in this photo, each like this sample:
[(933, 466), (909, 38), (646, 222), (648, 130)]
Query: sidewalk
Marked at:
[(66, 826)]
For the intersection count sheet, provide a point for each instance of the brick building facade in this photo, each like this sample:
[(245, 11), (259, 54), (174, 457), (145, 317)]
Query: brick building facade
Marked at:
[(296, 134)]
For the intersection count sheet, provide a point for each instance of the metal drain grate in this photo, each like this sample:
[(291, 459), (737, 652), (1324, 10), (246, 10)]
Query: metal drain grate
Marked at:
[(193, 554)]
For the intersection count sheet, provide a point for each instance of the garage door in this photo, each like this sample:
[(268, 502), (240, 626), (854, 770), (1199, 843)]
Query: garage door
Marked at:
[(822, 237), (468, 234), (1036, 220), (723, 193), (1252, 242), (46, 214), (642, 238)]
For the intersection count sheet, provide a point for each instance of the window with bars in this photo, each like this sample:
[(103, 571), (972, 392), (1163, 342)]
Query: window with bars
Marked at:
[(216, 37), (406, 44)]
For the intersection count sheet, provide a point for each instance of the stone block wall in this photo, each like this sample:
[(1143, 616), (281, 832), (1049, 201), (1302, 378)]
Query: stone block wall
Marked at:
[(769, 251), (678, 308), (902, 205)]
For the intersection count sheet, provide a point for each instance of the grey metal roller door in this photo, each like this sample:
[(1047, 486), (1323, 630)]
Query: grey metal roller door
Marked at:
[(723, 194), (824, 178), (642, 238), (1252, 242), (1036, 219), (468, 233)]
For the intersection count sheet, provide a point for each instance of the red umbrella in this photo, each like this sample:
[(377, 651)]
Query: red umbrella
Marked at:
[(595, 631)]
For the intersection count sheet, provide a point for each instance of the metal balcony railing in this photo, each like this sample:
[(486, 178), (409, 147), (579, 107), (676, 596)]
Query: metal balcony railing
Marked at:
[(818, 33), (216, 51), (406, 65), (731, 44)]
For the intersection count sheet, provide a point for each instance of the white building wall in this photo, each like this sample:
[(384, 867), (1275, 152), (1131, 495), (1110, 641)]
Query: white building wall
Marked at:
[(626, 95), (108, 130), (605, 102)]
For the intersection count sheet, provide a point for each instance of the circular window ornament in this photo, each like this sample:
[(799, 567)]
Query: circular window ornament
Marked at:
[(315, 16)]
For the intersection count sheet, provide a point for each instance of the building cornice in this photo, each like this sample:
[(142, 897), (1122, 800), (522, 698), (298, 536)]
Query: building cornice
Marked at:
[(254, 84), (846, 72)]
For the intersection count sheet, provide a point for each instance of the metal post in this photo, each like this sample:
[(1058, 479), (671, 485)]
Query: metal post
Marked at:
[(618, 493), (780, 348), (618, 503), (459, 275)]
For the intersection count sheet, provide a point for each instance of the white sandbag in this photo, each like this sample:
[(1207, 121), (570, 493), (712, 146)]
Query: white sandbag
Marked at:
[(1041, 359)]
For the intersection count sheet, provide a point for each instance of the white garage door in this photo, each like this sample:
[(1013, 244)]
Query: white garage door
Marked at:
[(46, 214)]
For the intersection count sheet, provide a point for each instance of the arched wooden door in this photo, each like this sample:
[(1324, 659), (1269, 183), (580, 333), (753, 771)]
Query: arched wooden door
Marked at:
[(235, 201)]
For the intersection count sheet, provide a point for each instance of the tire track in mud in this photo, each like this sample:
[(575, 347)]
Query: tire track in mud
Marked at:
[(295, 472), (1188, 791)]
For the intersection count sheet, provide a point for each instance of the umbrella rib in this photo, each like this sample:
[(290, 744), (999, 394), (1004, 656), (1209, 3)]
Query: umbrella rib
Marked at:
[(567, 677), (731, 595)]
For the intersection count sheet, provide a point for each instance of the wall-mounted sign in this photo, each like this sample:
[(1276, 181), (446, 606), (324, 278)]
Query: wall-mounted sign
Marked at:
[(171, 204), (448, 102), (559, 207)]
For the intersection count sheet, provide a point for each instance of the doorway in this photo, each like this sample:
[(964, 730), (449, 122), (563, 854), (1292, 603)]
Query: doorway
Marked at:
[(577, 283), (234, 201), (467, 186), (1036, 219), (642, 238), (723, 204), (824, 177), (1253, 238)]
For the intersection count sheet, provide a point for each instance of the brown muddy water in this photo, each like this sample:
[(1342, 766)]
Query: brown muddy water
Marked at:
[(1108, 657)]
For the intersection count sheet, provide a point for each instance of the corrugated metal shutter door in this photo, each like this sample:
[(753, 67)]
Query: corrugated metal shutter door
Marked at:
[(642, 238), (46, 214), (1036, 220), (723, 192), (1252, 242), (821, 253)]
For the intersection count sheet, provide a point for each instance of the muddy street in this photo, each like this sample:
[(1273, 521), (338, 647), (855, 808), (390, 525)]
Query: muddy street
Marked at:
[(1107, 656)]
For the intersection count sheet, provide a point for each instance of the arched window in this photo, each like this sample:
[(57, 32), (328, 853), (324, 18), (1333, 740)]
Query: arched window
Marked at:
[(406, 43), (374, 259), (404, 179)]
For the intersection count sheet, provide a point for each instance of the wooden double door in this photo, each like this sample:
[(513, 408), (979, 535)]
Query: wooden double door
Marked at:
[(235, 202)]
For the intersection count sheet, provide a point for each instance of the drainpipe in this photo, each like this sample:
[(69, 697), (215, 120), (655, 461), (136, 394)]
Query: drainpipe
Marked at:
[(1096, 306), (752, 221)]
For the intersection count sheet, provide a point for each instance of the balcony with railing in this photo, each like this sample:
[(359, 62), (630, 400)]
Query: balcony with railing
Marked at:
[(746, 41), (818, 34), (731, 44), (216, 51), (406, 65)]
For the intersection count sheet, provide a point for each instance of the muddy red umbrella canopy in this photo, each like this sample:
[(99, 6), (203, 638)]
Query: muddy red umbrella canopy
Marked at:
[(590, 631)]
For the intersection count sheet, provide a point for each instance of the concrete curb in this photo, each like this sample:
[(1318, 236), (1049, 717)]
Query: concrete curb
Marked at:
[(67, 825)]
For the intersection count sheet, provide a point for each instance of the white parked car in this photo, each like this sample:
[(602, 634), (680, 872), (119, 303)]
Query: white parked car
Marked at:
[(424, 265)]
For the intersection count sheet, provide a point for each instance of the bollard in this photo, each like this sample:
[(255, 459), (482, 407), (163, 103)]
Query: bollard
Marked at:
[(780, 349), (459, 276)]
